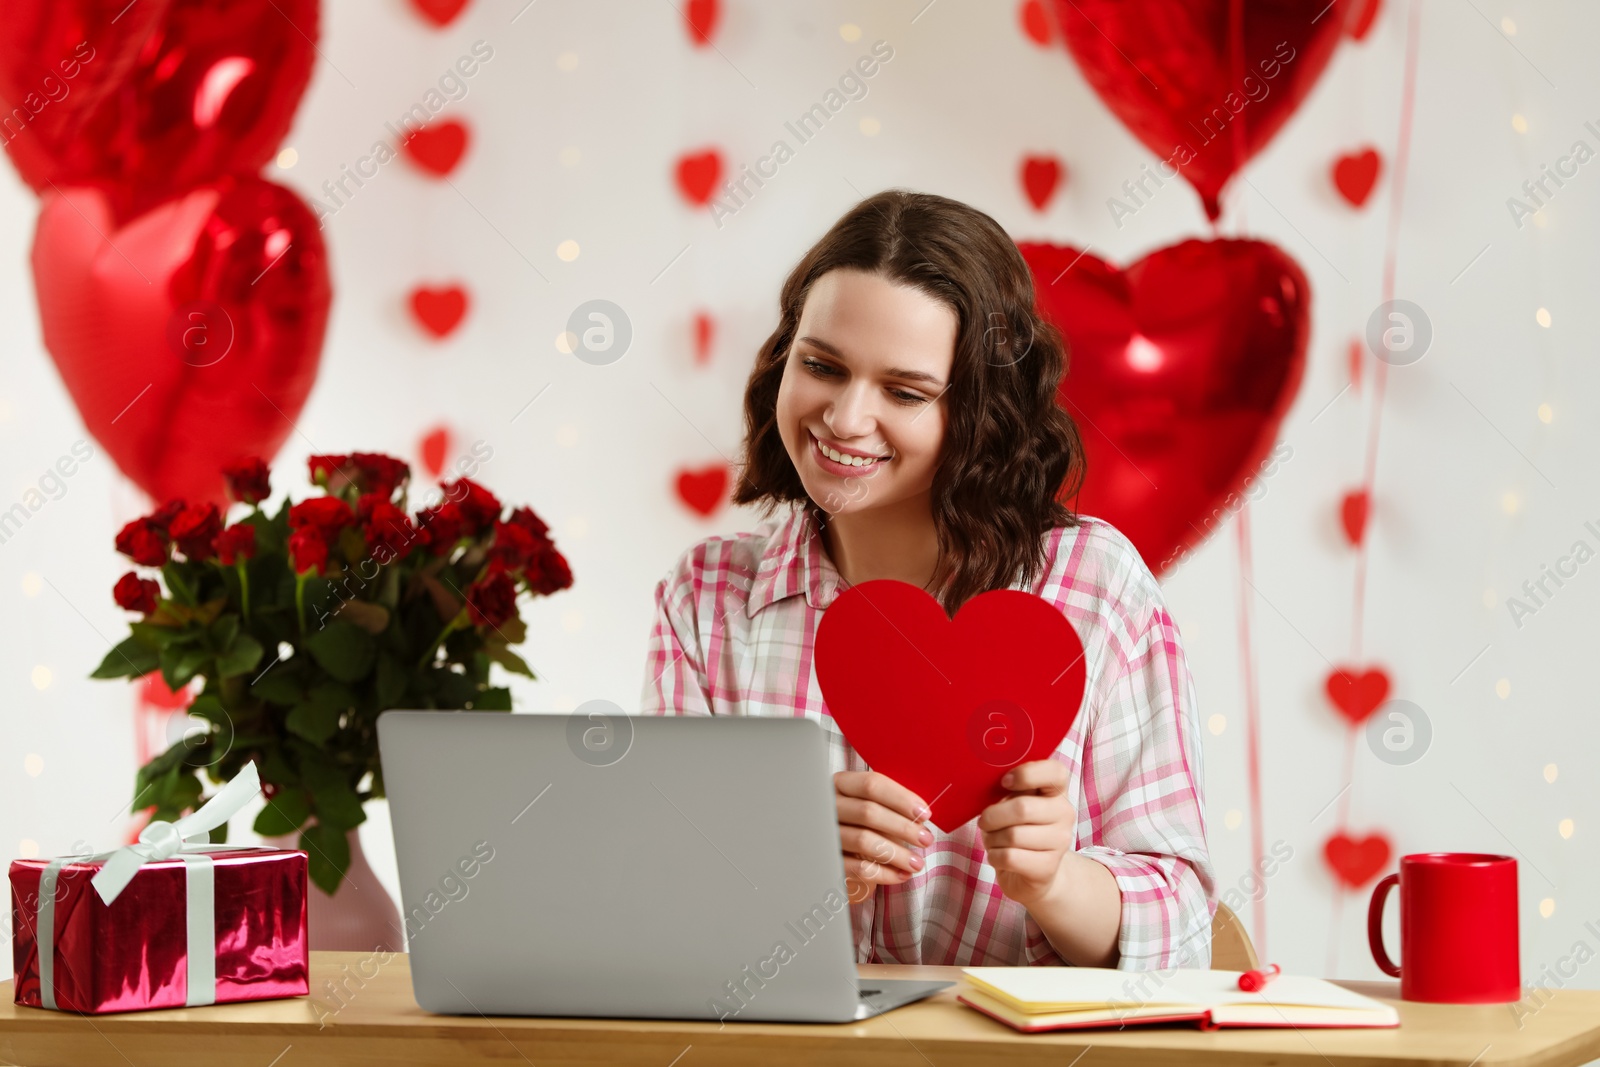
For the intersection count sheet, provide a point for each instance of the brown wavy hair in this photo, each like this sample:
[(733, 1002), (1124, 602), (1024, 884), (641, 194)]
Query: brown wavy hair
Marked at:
[(1010, 454)]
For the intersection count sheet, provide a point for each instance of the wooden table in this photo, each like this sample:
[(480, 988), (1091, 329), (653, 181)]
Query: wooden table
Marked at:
[(380, 1023)]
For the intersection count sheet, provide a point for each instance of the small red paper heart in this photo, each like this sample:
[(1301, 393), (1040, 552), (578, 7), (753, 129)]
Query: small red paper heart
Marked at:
[(698, 175), (946, 706), (1040, 176), (434, 449), (1035, 21), (441, 310), (702, 16), (703, 326), (1356, 356), (1353, 510), (439, 12), (704, 489), (1353, 862), (1360, 18), (437, 147), (1355, 173), (1357, 695)]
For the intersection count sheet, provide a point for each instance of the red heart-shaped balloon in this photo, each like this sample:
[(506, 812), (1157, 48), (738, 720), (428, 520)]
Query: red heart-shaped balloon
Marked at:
[(1182, 81), (439, 12), (1356, 862), (440, 310), (1361, 17), (437, 147), (212, 92), (1040, 176), (1355, 175), (1357, 694), (697, 175), (946, 706), (703, 490), (189, 337), (1181, 369)]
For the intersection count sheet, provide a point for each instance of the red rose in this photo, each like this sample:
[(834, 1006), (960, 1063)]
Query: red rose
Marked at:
[(144, 541), (247, 480), (440, 527), (479, 507), (164, 515), (386, 527), (380, 474), (326, 469), (325, 514), (237, 542), (195, 528), (525, 518), (549, 573), (136, 594), (492, 599), (308, 551), (513, 547)]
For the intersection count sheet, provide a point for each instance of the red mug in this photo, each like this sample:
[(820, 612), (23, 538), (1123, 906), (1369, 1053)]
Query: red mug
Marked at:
[(1458, 928)]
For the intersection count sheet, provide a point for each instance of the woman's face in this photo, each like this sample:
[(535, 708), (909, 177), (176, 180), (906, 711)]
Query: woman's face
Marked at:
[(865, 376)]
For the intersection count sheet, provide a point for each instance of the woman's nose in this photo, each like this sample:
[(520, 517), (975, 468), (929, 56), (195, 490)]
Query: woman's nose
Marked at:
[(850, 414)]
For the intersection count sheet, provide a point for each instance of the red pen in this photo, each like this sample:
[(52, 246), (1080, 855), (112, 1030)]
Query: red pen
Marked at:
[(1252, 981)]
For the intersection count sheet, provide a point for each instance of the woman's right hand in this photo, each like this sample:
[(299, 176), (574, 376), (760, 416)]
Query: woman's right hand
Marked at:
[(881, 822)]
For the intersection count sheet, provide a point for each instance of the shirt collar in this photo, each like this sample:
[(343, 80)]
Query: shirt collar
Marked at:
[(795, 561)]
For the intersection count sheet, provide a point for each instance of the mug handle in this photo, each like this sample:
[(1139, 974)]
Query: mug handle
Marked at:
[(1380, 894)]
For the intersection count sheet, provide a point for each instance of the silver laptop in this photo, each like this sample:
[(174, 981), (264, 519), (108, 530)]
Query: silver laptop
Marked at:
[(619, 866)]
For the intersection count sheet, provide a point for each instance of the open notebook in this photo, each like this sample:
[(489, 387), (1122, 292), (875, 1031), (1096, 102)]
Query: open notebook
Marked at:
[(1067, 998)]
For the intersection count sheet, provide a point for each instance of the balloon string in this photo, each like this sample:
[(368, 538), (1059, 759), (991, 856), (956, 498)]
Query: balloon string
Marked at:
[(1252, 734)]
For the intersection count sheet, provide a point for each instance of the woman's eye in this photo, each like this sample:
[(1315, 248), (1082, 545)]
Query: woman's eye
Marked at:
[(817, 366), (822, 369)]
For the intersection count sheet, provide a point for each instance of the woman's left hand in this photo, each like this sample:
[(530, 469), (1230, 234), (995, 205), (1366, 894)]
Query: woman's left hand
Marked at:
[(1028, 835)]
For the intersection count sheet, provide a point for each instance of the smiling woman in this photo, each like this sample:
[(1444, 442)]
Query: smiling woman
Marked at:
[(904, 409)]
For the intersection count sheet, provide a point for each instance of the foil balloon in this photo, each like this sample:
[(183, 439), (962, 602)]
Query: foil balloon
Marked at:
[(189, 336), (212, 91), (1180, 370), (1205, 84), (59, 61)]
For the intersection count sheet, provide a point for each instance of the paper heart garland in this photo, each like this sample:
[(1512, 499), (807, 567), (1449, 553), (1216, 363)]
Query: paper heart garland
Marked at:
[(1355, 174), (439, 12), (1040, 176), (946, 706), (1181, 369), (701, 17), (437, 147), (1357, 694), (704, 326), (439, 311), (703, 490), (1353, 511), (698, 174), (1356, 862), (189, 337), (211, 92), (434, 448), (1035, 21), (1168, 71)]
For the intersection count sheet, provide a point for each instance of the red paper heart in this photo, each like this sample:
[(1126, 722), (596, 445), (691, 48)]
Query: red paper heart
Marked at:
[(1181, 370), (1040, 176), (439, 12), (435, 449), (440, 310), (1362, 15), (437, 147), (211, 92), (1356, 356), (1357, 694), (698, 174), (703, 326), (1355, 174), (704, 489), (1356, 862), (1170, 72), (1353, 511), (701, 17), (1035, 21), (945, 706), (189, 337)]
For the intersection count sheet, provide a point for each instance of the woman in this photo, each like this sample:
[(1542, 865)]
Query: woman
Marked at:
[(905, 410)]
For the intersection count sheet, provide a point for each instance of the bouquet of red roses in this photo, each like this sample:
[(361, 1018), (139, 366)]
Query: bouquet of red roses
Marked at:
[(306, 624)]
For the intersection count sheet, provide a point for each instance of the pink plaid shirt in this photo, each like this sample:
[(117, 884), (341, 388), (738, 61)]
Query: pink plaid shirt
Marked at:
[(736, 620)]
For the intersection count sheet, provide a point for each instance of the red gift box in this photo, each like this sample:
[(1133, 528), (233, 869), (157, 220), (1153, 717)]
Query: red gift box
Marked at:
[(170, 922)]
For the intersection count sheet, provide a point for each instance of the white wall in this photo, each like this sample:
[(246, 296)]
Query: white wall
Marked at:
[(964, 98)]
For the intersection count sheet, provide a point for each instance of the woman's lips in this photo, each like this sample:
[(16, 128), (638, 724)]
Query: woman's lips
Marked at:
[(842, 470)]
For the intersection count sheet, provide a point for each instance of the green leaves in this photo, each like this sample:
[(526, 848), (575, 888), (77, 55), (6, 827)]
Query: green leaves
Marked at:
[(343, 650), (316, 718), (132, 658), (284, 813), (240, 657), (327, 855)]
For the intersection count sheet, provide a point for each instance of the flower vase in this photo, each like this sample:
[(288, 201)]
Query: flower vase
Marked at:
[(360, 917)]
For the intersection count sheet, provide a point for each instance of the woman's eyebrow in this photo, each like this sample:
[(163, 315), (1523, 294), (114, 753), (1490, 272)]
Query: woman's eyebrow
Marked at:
[(893, 372)]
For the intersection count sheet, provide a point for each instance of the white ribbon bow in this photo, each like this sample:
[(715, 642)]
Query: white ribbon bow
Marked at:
[(189, 839)]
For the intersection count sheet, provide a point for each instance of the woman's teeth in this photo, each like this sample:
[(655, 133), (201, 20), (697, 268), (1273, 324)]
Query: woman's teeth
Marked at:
[(848, 461)]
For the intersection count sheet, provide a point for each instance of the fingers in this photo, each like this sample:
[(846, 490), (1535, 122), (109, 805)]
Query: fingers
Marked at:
[(869, 844), (1051, 838), (862, 876), (1027, 808), (870, 785), (874, 816), (1048, 776)]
